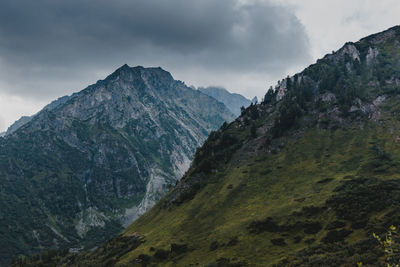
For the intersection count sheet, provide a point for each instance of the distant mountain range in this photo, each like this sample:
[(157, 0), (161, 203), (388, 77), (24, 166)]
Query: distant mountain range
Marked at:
[(88, 164), (308, 177), (232, 100)]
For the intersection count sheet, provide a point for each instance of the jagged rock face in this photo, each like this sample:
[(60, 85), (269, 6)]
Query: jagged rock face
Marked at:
[(96, 160)]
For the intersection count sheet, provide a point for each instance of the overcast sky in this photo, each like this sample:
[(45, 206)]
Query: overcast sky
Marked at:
[(50, 48)]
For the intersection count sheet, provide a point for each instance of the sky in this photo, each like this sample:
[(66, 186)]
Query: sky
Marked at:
[(51, 48)]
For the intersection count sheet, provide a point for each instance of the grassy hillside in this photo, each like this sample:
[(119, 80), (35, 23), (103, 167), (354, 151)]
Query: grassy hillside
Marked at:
[(268, 207)]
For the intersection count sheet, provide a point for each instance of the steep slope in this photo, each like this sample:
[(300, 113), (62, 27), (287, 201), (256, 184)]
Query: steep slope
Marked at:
[(88, 164), (302, 179), (232, 100)]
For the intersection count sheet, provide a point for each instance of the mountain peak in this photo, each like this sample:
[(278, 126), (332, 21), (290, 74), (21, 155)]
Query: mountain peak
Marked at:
[(129, 73), (124, 66)]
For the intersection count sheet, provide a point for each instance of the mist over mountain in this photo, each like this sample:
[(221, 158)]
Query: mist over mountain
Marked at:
[(233, 101)]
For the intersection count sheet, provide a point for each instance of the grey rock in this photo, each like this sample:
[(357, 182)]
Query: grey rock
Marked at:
[(18, 124), (103, 156)]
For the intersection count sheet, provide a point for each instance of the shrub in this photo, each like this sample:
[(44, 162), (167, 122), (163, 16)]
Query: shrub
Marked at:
[(214, 245), (178, 248), (390, 244), (278, 242), (161, 254), (336, 236)]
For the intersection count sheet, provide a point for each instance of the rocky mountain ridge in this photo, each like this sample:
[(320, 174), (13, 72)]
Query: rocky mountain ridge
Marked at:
[(94, 161)]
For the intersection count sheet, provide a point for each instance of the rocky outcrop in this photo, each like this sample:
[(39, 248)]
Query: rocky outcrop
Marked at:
[(372, 54), (350, 50)]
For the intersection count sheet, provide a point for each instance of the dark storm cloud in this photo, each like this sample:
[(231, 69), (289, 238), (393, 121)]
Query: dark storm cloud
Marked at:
[(47, 45)]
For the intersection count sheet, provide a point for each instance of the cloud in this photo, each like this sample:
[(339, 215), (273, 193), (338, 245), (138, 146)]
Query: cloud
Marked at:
[(331, 23), (53, 47), (13, 107), (2, 123)]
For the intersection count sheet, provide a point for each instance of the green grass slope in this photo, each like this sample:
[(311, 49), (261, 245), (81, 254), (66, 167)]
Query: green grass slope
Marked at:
[(271, 207)]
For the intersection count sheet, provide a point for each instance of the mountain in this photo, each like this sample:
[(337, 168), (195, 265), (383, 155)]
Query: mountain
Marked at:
[(88, 164), (233, 101), (302, 179), (17, 124), (25, 119)]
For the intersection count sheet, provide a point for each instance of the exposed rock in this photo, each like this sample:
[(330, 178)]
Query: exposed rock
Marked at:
[(351, 50), (393, 81), (379, 100), (88, 219), (281, 90), (328, 97), (372, 54)]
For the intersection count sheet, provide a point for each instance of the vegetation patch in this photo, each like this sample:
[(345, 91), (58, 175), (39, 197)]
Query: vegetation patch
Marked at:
[(278, 242), (336, 236), (355, 199), (179, 248), (267, 225), (335, 224)]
